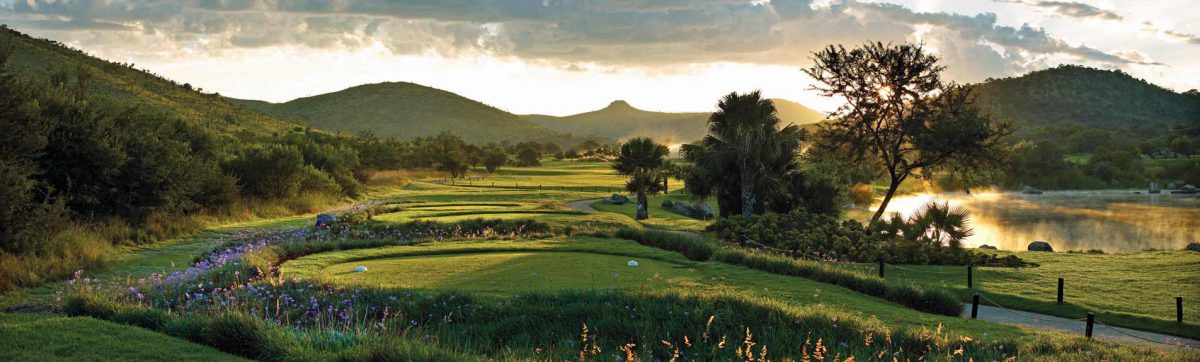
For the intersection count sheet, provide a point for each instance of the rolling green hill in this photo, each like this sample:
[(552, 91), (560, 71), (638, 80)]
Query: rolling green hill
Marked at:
[(1093, 97), (405, 110), (620, 121), (48, 59)]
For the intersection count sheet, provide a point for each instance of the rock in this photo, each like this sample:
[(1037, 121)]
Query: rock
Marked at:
[(323, 220), (986, 247), (619, 198), (1030, 191), (1193, 247), (706, 212), (1040, 246), (360, 269), (632, 263), (668, 204)]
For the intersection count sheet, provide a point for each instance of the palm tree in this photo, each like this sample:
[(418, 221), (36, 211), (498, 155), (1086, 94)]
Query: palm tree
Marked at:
[(745, 156), (642, 161)]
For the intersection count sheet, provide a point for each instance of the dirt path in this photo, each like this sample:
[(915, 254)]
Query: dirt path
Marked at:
[(583, 205), (1030, 320)]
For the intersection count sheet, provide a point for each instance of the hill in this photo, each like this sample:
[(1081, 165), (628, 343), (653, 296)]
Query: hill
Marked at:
[(1093, 97), (405, 110), (48, 59), (619, 120)]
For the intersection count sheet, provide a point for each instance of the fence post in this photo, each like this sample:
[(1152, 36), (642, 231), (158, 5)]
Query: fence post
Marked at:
[(970, 277), (1179, 309), (881, 267), (1091, 319), (1060, 290), (975, 306)]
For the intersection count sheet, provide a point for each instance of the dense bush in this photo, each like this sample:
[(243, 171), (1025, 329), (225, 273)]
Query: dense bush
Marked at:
[(916, 240), (694, 248), (909, 295), (691, 247)]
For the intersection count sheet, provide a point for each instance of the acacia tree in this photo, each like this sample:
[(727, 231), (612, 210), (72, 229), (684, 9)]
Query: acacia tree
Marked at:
[(901, 115), (642, 161)]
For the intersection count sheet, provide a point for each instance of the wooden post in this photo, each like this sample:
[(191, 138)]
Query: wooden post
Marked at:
[(1091, 319), (1060, 290), (975, 306), (881, 267), (970, 276), (1179, 309)]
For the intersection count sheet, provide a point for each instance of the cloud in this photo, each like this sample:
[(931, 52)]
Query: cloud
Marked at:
[(1171, 33), (641, 33), (1071, 8)]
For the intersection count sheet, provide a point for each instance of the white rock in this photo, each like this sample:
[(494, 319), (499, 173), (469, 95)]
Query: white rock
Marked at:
[(632, 263), (360, 269)]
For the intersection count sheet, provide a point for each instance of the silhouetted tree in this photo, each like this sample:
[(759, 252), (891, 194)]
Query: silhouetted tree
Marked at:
[(900, 113), (642, 161)]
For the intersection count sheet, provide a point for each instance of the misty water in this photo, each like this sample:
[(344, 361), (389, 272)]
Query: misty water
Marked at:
[(1110, 220)]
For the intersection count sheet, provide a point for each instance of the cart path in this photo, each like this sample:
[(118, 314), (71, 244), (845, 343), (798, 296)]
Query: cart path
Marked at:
[(1030, 320)]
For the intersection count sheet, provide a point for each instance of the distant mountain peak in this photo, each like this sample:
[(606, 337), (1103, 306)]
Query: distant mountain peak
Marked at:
[(619, 104)]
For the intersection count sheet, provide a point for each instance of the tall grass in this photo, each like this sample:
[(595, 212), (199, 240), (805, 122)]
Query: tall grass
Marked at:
[(691, 247), (909, 295)]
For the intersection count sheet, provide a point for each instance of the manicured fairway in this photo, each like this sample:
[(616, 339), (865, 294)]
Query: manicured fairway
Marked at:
[(1136, 290), (511, 271), (660, 217), (35, 337)]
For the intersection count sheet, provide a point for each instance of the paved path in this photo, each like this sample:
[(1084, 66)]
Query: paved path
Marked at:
[(583, 205), (1030, 320)]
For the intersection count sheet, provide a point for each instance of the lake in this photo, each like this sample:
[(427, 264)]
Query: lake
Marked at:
[(1110, 220)]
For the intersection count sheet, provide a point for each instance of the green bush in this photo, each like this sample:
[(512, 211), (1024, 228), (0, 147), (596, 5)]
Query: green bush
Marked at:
[(909, 295), (691, 247)]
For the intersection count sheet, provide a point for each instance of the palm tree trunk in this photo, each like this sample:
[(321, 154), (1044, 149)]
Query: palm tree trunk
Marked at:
[(747, 188), (643, 208)]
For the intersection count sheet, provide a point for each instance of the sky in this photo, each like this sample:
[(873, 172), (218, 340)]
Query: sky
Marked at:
[(563, 57)]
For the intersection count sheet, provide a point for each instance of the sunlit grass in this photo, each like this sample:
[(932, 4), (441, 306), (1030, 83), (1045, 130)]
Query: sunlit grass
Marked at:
[(1136, 290), (35, 337)]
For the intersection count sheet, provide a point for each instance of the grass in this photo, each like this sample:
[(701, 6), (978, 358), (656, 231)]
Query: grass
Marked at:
[(1135, 290), (660, 217), (505, 270), (35, 337)]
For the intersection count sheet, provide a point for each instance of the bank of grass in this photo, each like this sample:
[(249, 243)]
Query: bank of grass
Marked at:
[(556, 214), (1135, 290), (38, 337), (662, 306)]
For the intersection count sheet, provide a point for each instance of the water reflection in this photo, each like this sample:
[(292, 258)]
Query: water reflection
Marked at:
[(1111, 220)]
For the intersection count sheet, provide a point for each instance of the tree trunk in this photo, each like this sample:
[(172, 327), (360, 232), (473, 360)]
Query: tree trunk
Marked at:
[(643, 211), (895, 184), (747, 188)]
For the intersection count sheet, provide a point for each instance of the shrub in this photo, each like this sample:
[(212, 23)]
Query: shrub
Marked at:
[(909, 295), (691, 247), (1192, 247)]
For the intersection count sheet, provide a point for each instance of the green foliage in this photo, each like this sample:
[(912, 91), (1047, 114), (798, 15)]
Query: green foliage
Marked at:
[(528, 157), (642, 161), (691, 247), (901, 116), (931, 236), (930, 300), (747, 161)]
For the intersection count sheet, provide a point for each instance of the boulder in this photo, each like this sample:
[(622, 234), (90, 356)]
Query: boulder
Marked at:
[(986, 247), (619, 198), (706, 212), (668, 204), (1028, 190), (324, 220), (1040, 246), (1192, 247)]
